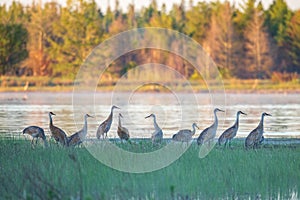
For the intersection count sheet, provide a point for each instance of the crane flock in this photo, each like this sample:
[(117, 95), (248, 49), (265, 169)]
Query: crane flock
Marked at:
[(254, 139)]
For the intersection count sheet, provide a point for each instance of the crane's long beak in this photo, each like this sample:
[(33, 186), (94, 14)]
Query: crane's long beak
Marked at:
[(243, 113), (116, 107), (148, 116), (268, 114), (89, 116)]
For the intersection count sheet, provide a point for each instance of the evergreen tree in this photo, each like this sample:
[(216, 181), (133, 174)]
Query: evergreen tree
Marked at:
[(277, 19), (13, 38), (245, 42), (197, 21), (41, 33), (293, 43)]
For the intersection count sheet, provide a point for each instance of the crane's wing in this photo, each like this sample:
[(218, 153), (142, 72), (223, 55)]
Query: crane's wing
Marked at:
[(58, 134), (105, 126), (157, 134), (102, 129), (229, 133), (203, 133), (34, 131), (74, 139), (184, 135), (122, 130), (252, 137)]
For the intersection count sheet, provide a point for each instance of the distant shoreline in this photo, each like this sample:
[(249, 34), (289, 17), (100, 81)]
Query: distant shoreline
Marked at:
[(110, 89), (41, 84)]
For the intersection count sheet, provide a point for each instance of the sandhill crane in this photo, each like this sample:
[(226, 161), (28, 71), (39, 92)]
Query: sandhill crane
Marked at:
[(157, 135), (105, 126), (255, 137), (185, 135), (36, 132), (58, 134), (123, 132), (78, 137), (230, 133), (209, 133)]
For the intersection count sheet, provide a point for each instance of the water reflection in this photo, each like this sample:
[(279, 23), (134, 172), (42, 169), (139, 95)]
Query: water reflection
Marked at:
[(172, 113)]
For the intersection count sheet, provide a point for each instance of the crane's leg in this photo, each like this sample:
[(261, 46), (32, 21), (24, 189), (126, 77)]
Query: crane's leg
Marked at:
[(219, 142), (32, 143), (255, 147), (56, 142), (154, 143), (229, 144), (225, 143), (61, 142)]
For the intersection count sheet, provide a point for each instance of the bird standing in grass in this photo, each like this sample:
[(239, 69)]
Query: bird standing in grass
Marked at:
[(255, 137), (58, 134), (123, 132), (208, 134), (78, 137), (36, 132), (231, 132), (105, 126), (157, 135), (185, 135)]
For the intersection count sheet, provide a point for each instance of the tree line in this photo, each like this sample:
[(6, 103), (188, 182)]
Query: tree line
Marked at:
[(245, 42)]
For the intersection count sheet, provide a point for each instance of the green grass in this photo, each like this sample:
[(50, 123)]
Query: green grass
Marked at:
[(66, 173)]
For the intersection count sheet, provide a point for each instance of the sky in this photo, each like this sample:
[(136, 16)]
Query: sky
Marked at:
[(293, 4)]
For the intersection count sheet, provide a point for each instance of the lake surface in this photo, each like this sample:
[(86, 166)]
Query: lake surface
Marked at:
[(173, 111)]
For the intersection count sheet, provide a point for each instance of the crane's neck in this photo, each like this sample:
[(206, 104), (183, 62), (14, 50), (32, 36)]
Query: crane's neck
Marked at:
[(194, 129), (111, 114), (156, 127), (85, 124), (261, 123), (120, 124), (51, 122), (237, 120), (45, 142), (216, 119)]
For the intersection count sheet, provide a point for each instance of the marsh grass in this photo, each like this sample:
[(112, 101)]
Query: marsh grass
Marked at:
[(72, 173)]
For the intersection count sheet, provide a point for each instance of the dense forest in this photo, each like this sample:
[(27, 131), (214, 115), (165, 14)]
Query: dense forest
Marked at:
[(247, 42)]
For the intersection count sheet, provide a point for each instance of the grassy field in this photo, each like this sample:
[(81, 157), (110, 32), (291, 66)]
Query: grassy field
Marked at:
[(72, 173)]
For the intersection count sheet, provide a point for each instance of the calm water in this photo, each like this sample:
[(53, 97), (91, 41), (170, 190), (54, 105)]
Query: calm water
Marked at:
[(174, 112)]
